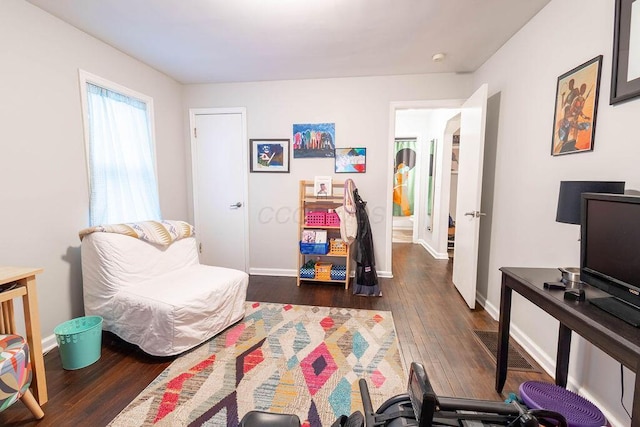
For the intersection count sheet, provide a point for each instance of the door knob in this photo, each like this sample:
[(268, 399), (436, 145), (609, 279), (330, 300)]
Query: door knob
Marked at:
[(236, 205), (475, 214)]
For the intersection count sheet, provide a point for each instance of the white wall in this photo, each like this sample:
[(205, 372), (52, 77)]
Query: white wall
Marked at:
[(524, 232), (359, 107), (43, 177)]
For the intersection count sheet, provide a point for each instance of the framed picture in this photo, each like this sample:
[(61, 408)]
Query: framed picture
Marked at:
[(314, 140), (322, 186), (625, 73), (351, 160), (269, 155), (574, 120), (455, 155)]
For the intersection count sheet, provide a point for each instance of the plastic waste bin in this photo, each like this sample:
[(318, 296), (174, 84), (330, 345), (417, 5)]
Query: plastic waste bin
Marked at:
[(79, 341)]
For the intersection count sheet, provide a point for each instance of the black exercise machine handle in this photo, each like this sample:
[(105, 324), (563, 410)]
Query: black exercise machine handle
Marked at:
[(369, 418)]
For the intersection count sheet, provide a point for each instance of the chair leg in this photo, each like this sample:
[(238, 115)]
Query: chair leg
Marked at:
[(31, 403)]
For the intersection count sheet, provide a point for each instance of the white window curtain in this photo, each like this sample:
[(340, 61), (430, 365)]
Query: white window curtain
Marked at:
[(123, 184)]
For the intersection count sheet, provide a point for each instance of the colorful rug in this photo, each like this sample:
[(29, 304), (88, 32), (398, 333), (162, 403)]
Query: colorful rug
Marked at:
[(282, 358)]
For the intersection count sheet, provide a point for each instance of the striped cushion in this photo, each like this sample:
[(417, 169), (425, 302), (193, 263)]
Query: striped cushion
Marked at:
[(15, 369)]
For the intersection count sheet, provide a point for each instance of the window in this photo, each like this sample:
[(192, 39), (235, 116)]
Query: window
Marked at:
[(120, 153)]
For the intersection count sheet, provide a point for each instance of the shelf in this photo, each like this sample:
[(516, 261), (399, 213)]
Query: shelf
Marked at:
[(309, 202), (302, 279), (329, 254), (327, 200)]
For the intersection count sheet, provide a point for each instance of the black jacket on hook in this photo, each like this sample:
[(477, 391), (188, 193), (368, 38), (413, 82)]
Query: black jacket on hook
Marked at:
[(366, 276)]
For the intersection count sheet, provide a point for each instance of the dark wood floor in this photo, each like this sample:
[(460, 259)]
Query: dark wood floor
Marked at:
[(434, 327)]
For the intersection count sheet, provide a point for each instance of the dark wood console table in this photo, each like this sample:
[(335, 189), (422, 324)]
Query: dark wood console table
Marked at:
[(618, 339)]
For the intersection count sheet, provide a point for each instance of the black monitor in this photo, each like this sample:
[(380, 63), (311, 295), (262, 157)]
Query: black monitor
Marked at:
[(610, 252)]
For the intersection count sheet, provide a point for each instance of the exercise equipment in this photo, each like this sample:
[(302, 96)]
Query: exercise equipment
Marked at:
[(421, 407)]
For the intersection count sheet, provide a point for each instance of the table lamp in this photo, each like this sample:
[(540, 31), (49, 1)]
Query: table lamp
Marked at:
[(569, 210)]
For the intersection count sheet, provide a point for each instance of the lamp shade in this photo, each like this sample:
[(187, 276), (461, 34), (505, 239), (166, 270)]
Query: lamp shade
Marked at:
[(569, 199)]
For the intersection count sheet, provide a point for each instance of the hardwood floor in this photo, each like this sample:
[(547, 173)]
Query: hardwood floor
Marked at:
[(434, 327)]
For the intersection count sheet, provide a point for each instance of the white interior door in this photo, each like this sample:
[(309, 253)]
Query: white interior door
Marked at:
[(465, 253), (219, 162)]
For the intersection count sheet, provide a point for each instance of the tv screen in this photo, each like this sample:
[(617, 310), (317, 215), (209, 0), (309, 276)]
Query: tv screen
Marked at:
[(610, 244)]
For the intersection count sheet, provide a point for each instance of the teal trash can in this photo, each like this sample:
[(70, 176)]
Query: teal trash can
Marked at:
[(79, 341)]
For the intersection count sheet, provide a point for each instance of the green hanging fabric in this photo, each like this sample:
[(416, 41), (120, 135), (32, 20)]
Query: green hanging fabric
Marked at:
[(404, 176)]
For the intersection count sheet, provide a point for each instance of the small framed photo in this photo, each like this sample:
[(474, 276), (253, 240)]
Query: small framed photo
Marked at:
[(351, 160), (455, 157), (576, 103), (269, 155), (322, 186)]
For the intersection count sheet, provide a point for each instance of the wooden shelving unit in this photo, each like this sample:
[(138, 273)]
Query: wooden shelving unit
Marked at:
[(311, 203)]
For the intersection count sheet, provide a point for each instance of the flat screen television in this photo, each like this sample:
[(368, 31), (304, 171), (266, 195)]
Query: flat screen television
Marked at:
[(610, 252)]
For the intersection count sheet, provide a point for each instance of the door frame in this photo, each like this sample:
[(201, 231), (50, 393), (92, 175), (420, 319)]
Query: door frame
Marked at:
[(393, 107), (244, 167)]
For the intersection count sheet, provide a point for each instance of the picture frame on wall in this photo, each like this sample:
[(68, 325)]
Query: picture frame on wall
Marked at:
[(455, 157), (351, 160), (576, 104), (625, 69), (269, 155)]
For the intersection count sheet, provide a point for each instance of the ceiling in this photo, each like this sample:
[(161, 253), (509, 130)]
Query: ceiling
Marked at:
[(213, 41)]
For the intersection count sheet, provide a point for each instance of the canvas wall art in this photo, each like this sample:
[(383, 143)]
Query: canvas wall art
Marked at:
[(314, 140)]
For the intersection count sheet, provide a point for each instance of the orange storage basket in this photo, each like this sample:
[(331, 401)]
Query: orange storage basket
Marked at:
[(337, 247), (323, 270)]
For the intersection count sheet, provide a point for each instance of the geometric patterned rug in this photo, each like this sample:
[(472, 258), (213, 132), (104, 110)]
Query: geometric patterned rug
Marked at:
[(282, 358)]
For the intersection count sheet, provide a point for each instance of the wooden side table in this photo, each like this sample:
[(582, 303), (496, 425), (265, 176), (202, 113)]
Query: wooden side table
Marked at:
[(25, 288)]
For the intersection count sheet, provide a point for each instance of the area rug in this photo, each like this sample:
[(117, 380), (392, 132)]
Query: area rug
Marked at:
[(282, 358)]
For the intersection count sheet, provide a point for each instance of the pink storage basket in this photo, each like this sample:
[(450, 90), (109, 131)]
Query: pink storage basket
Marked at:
[(315, 219), (332, 219)]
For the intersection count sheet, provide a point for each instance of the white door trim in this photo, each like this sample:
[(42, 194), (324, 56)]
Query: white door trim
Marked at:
[(193, 112)]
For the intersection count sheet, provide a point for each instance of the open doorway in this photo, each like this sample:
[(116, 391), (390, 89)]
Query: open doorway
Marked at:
[(421, 153), (433, 227)]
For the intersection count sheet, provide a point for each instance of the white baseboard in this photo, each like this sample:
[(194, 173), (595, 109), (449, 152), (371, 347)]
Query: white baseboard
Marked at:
[(547, 363), (436, 255), (491, 309), (273, 272), (49, 343)]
